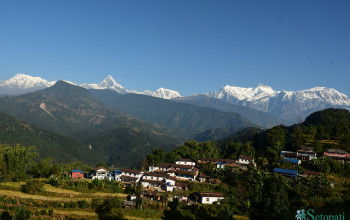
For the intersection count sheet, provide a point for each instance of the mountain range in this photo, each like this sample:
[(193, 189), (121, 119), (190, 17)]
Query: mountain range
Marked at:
[(121, 128), (289, 106)]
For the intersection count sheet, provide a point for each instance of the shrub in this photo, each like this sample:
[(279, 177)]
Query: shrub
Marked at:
[(83, 204), (43, 212), (51, 212), (32, 186), (54, 180), (22, 213), (112, 202)]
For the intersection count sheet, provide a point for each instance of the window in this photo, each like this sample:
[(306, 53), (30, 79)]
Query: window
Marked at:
[(207, 199)]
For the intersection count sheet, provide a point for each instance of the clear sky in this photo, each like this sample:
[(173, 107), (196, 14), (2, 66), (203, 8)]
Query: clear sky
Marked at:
[(191, 46)]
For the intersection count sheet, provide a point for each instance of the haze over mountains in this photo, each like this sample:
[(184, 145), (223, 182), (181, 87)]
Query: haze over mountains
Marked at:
[(290, 106)]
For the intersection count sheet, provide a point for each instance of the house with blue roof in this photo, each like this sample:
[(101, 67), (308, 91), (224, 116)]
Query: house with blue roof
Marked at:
[(77, 174), (292, 161), (286, 172)]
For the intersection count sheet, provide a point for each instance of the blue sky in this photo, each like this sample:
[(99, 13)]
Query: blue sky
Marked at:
[(191, 46)]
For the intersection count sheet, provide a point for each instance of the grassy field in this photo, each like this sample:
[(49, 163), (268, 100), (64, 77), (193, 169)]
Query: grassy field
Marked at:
[(58, 203)]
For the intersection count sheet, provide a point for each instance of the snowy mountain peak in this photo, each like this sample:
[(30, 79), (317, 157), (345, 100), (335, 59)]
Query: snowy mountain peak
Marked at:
[(288, 105), (22, 83), (107, 83), (110, 82), (162, 93), (241, 93)]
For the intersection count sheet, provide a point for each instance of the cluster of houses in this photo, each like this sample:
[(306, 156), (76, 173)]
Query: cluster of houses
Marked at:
[(308, 153), (305, 154), (170, 177)]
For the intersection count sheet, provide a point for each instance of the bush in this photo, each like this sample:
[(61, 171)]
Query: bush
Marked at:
[(112, 202), (51, 212), (54, 180), (32, 186), (43, 212), (83, 204), (22, 213)]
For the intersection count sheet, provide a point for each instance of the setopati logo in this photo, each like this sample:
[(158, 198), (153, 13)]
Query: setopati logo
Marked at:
[(311, 215)]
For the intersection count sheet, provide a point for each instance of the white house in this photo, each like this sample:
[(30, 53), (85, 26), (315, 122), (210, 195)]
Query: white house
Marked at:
[(185, 161), (130, 175), (307, 153), (210, 197), (244, 160), (100, 173), (160, 167), (158, 181), (206, 197)]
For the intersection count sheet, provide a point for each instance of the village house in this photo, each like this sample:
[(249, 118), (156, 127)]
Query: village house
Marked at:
[(245, 160), (99, 173), (292, 161), (286, 172), (115, 175), (77, 174), (158, 181), (219, 163), (130, 175), (181, 185), (289, 154), (185, 161), (337, 154), (306, 153), (186, 175), (206, 197), (203, 178), (160, 167)]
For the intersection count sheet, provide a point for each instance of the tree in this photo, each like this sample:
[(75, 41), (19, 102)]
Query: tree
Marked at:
[(42, 168), (16, 161), (274, 201), (157, 156)]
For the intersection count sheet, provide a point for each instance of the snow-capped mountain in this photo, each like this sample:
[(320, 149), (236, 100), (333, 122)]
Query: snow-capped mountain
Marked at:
[(162, 93), (107, 83), (21, 83), (288, 105)]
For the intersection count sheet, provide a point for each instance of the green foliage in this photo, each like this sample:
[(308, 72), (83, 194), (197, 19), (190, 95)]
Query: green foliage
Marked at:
[(110, 203), (15, 161), (83, 204), (157, 156), (194, 150), (42, 168), (54, 180), (32, 186), (234, 150), (22, 213), (274, 200)]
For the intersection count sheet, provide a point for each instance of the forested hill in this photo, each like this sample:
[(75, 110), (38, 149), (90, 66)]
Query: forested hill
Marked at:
[(59, 148), (189, 119), (324, 129), (72, 111)]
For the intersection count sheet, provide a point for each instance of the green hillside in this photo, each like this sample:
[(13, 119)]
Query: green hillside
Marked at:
[(60, 148), (191, 119), (260, 118), (72, 111)]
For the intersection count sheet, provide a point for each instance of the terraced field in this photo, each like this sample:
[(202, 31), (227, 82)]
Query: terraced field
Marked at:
[(58, 203)]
